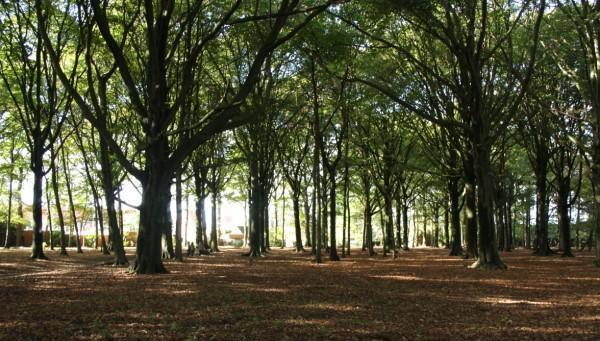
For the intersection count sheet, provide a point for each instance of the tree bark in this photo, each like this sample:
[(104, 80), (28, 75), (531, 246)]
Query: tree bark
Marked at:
[(470, 207), (214, 242), (562, 209), (61, 220), (71, 203), (488, 248), (453, 193), (37, 164), (154, 221), (10, 193), (333, 255), (307, 226), (178, 217), (542, 245), (296, 203)]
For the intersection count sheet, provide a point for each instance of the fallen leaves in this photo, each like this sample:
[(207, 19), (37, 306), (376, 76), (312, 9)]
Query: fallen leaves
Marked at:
[(424, 294)]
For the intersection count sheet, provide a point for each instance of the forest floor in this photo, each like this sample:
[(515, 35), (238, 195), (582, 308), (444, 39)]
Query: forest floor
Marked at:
[(423, 294)]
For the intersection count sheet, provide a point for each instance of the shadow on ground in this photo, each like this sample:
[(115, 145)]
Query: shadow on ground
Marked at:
[(424, 294)]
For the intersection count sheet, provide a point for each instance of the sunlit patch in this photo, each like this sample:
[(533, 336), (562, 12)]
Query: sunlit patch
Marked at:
[(588, 318), (470, 214), (269, 290), (500, 300), (333, 307), (304, 322), (182, 292), (398, 277)]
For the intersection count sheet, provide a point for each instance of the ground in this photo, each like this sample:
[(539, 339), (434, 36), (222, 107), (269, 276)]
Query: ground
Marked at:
[(423, 294)]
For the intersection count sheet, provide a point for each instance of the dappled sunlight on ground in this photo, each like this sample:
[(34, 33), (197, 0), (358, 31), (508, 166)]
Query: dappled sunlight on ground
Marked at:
[(423, 294)]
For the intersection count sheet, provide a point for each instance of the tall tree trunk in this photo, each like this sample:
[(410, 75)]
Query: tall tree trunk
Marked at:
[(266, 243), (542, 245), (115, 229), (398, 224), (389, 225), (10, 194), (199, 188), (296, 203), (499, 210), (562, 208), (447, 227), (436, 224), (405, 223), (49, 214), (179, 216), (61, 220), (577, 223), (510, 233), (307, 225), (168, 249), (333, 255), (348, 216), (528, 224), (470, 207), (214, 243), (37, 164), (154, 218), (324, 213), (71, 203), (255, 209), (488, 248), (283, 221), (104, 247), (367, 214)]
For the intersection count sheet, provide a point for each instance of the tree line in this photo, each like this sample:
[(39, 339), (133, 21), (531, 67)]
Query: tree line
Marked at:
[(470, 114)]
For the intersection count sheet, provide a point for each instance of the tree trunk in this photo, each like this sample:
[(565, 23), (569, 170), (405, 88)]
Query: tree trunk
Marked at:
[(178, 217), (499, 210), (109, 201), (255, 209), (298, 227), (398, 221), (307, 226), (49, 215), (154, 221), (266, 243), (71, 203), (200, 188), (488, 248), (542, 246), (37, 164), (447, 227), (17, 194), (470, 207), (436, 224), (333, 255), (347, 198), (389, 225), (283, 221), (527, 222), (168, 250), (562, 209), (214, 243), (405, 223), (510, 233), (61, 219), (10, 196)]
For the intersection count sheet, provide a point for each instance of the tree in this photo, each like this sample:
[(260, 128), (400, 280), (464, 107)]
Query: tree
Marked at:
[(483, 80), (157, 86), (584, 17), (34, 88)]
